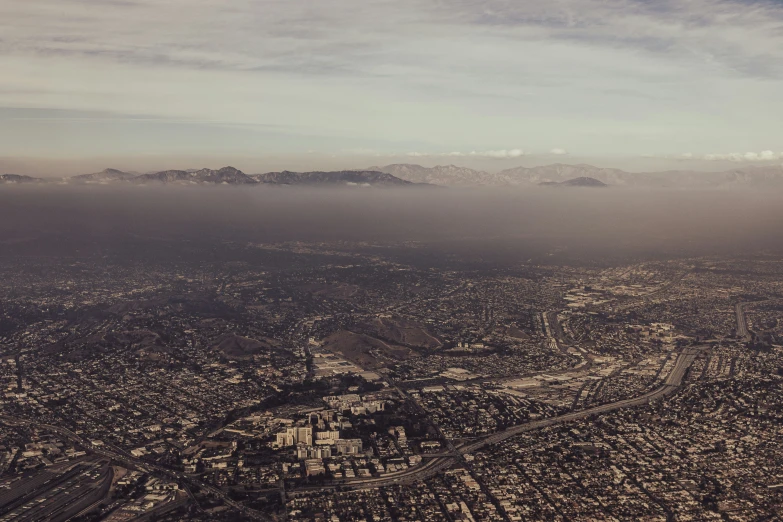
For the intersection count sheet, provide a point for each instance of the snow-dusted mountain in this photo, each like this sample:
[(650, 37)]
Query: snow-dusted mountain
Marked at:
[(226, 175), (340, 177), (403, 174), (446, 175), (18, 178), (449, 175), (104, 176)]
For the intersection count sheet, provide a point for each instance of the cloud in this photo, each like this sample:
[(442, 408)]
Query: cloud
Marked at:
[(742, 36), (499, 154), (766, 155), (615, 77), (334, 37), (737, 157), (558, 152), (435, 154)]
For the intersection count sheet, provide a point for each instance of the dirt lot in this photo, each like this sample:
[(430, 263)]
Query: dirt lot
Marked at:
[(332, 291), (400, 331), (365, 351)]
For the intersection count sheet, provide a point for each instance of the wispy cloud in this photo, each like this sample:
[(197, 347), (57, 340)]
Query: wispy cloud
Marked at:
[(765, 155), (500, 154), (740, 35), (436, 154), (496, 154), (603, 77), (737, 157)]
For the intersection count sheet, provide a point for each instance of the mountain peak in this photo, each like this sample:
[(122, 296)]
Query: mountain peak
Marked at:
[(443, 175), (334, 178), (104, 176), (768, 176), (18, 178), (582, 181), (224, 176)]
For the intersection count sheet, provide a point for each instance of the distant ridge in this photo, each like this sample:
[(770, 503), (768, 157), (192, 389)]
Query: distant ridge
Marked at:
[(342, 177), (445, 175), (226, 176), (18, 178), (576, 182), (766, 177), (232, 176), (104, 176)]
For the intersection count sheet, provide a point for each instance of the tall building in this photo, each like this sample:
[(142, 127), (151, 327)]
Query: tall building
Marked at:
[(327, 437), (295, 435), (349, 446), (313, 452)]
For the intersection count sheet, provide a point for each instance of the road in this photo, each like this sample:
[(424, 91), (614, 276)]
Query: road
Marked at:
[(742, 318), (432, 467), (427, 470), (742, 321), (443, 461), (624, 304), (672, 383), (124, 458)]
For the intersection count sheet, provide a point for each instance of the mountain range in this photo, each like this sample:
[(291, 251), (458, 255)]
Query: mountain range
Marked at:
[(18, 178), (576, 182), (349, 177), (451, 175), (225, 176), (104, 176), (403, 175)]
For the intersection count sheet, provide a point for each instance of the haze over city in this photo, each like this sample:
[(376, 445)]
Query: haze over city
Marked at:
[(391, 261)]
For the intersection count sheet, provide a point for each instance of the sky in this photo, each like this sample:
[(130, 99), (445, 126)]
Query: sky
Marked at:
[(270, 84)]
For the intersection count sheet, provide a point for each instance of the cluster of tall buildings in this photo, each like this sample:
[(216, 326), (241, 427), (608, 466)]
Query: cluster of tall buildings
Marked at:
[(295, 435), (354, 403), (317, 445)]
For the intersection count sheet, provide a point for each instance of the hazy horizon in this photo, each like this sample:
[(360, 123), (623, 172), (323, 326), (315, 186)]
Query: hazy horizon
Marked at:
[(303, 163), (602, 222)]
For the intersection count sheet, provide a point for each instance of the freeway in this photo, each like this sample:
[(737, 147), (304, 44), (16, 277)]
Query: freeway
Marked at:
[(742, 319), (672, 383), (434, 466), (437, 464)]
